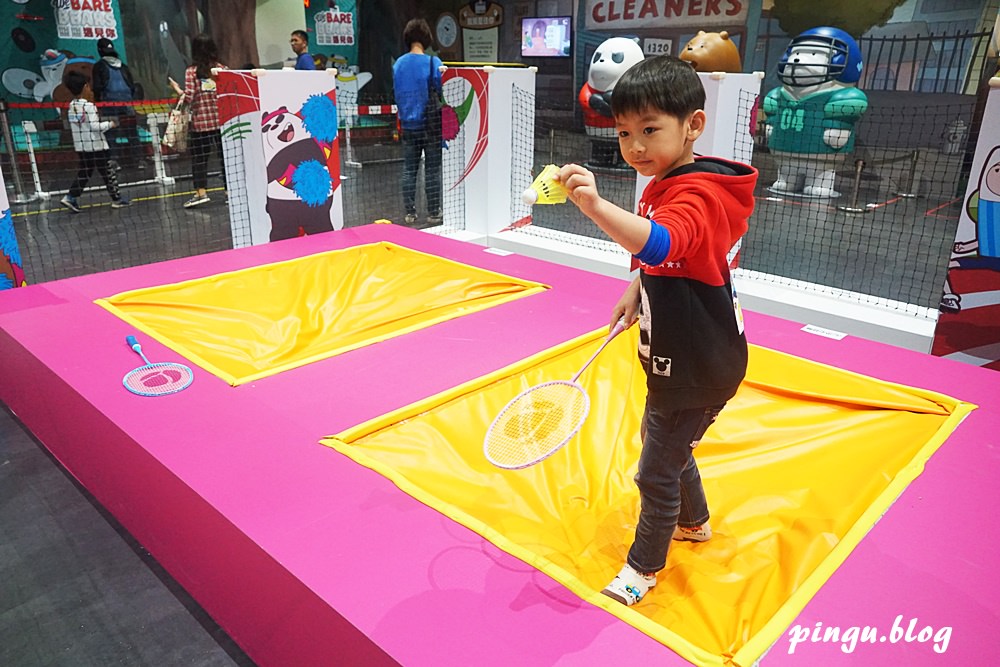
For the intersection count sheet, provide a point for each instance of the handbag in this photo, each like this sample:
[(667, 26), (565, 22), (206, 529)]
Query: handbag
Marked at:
[(175, 137), (435, 103)]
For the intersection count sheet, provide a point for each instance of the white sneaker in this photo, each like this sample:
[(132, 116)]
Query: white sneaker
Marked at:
[(629, 587), (70, 203), (197, 200), (702, 533)]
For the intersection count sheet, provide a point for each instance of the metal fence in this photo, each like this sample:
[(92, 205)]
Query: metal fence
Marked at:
[(931, 63)]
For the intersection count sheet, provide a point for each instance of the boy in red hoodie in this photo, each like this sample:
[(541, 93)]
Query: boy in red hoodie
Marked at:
[(691, 340)]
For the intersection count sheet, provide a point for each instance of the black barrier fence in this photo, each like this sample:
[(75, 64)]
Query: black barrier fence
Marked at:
[(886, 231)]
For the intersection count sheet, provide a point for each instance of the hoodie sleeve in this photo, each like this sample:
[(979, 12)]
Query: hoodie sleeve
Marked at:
[(92, 118)]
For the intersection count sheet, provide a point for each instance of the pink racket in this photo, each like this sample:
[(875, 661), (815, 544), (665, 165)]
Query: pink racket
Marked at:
[(536, 423)]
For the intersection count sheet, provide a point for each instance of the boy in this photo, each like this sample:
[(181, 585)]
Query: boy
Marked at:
[(691, 340), (89, 143)]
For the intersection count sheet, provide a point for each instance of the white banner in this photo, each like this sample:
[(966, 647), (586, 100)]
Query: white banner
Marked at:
[(608, 15), (968, 328), (280, 138)]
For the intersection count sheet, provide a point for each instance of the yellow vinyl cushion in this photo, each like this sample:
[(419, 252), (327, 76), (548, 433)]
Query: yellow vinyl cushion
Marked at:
[(249, 324), (799, 466)]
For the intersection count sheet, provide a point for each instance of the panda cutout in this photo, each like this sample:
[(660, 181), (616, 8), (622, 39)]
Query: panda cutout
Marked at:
[(607, 65), (811, 117), (300, 188)]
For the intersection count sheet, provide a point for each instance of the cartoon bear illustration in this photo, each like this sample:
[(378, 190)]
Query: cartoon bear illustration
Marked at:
[(298, 148), (712, 52)]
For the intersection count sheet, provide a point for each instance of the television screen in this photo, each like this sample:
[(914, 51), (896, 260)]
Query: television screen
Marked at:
[(545, 37)]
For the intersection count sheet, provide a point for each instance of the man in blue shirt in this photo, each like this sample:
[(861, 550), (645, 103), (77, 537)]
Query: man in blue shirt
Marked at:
[(300, 45)]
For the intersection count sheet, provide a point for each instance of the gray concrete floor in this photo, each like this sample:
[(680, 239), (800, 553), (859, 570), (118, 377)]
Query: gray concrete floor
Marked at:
[(76, 590)]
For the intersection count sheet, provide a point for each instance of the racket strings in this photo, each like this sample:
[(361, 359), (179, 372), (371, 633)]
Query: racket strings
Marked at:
[(536, 423)]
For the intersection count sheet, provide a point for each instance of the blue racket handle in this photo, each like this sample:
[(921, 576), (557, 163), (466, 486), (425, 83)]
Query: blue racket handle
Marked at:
[(134, 344)]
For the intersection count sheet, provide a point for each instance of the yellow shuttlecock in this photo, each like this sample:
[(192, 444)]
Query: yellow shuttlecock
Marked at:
[(546, 189)]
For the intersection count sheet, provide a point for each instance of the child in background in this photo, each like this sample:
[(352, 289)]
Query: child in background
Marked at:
[(91, 147), (691, 341)]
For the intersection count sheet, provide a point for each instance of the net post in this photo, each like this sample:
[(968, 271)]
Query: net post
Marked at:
[(153, 121), (29, 128), (20, 196), (909, 192), (859, 167)]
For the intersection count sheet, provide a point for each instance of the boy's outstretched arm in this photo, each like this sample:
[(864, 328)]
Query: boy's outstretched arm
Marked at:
[(628, 230)]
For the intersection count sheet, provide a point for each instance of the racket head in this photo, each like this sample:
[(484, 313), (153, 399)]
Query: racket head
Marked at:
[(158, 379), (535, 424)]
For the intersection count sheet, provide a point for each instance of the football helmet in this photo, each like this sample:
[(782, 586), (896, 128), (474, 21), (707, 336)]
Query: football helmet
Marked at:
[(843, 58)]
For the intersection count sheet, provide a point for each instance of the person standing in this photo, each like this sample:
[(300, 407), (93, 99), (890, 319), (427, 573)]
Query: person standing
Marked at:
[(300, 45), (89, 143), (114, 86), (414, 75), (200, 94)]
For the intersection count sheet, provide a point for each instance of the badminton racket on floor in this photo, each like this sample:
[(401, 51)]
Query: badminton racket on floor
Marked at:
[(546, 189), (536, 423), (157, 379)]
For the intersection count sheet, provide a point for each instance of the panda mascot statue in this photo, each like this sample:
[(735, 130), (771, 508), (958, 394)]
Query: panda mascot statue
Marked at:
[(608, 63), (811, 116)]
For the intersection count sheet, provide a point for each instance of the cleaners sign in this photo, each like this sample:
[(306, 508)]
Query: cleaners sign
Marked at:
[(604, 15)]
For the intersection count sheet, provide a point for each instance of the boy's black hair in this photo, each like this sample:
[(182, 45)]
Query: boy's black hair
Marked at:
[(75, 81), (661, 83), (301, 34), (417, 30)]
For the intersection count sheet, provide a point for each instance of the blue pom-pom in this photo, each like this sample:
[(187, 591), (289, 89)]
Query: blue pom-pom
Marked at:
[(8, 240), (319, 115), (311, 182)]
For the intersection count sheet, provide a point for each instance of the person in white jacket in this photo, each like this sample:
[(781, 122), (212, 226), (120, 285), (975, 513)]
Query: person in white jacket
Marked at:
[(91, 147)]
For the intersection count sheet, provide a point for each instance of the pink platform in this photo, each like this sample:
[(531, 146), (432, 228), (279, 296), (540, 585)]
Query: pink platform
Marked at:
[(307, 558)]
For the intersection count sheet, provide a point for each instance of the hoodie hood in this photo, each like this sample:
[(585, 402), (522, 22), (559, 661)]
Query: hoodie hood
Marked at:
[(105, 47)]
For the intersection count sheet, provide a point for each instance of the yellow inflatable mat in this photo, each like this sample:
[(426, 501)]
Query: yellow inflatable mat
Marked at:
[(800, 465), (248, 324)]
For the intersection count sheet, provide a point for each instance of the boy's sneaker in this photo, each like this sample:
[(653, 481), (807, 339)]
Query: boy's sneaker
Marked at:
[(70, 203), (121, 202), (629, 586), (702, 533), (197, 200), (435, 219), (411, 218)]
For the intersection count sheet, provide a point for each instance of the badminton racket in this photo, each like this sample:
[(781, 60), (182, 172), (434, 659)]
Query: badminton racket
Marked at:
[(157, 379), (536, 423), (546, 189)]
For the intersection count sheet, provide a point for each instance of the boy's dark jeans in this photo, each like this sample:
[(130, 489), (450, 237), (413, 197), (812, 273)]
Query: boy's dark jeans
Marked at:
[(669, 481)]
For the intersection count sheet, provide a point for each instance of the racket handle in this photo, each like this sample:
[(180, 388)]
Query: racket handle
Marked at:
[(618, 328), (134, 344)]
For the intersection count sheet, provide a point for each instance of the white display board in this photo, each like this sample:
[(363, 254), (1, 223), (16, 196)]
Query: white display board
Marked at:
[(478, 172), (280, 138)]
